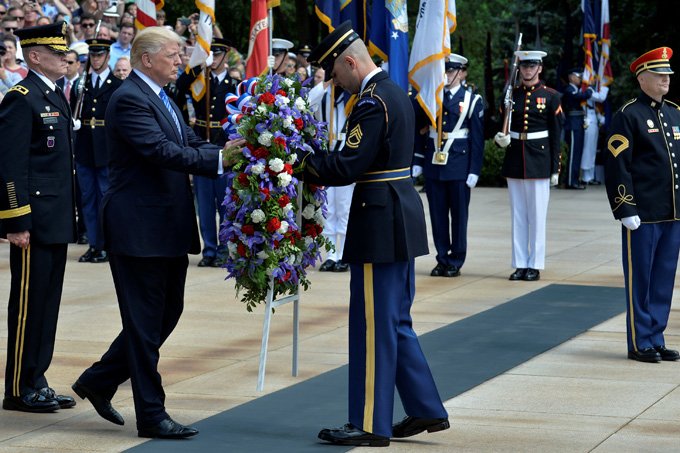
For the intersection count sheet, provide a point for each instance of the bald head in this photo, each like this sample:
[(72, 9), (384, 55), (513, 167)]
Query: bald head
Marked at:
[(352, 66)]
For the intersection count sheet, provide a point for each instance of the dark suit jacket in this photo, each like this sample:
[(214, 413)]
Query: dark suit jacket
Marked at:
[(36, 164), (149, 208)]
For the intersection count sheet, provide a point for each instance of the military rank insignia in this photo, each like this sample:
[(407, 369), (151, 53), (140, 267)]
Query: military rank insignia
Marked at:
[(50, 141), (540, 103), (354, 138), (676, 133)]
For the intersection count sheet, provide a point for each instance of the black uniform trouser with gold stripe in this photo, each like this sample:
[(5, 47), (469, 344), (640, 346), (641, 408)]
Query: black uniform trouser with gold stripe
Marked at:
[(35, 295), (384, 351)]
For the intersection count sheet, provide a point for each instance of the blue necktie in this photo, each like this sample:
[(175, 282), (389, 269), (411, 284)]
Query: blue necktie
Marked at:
[(166, 101)]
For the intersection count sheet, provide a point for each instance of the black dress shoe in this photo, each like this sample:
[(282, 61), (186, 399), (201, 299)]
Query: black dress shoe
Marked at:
[(31, 402), (100, 403), (410, 426), (531, 275), (167, 429), (645, 355), (99, 256), (438, 270), (87, 256), (340, 266), (82, 239), (669, 355), (327, 266), (518, 274), (64, 401), (351, 435), (206, 261), (451, 271), (576, 187), (594, 182)]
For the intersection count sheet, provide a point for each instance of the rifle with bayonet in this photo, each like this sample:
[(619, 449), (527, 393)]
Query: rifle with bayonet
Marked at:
[(512, 80), (78, 110)]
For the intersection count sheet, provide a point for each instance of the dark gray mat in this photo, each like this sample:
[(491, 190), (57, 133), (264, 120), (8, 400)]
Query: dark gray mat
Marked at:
[(462, 355)]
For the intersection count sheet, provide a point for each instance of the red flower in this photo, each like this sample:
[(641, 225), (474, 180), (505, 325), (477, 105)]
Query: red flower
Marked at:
[(286, 276), (281, 93), (273, 225), (261, 153), (299, 124), (280, 141), (284, 200), (264, 191), (234, 198), (241, 249), (250, 146), (288, 168), (248, 229), (310, 230), (243, 179), (267, 98)]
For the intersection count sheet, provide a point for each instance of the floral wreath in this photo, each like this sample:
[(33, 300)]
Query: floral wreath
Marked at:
[(264, 239)]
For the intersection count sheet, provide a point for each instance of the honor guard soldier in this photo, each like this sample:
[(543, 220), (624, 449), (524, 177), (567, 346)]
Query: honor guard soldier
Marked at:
[(532, 163), (571, 102), (37, 215), (210, 110), (386, 231), (643, 188), (452, 168), (278, 60), (91, 155)]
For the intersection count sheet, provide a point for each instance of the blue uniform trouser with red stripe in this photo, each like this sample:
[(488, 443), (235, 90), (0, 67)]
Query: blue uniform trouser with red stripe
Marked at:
[(384, 352), (650, 259)]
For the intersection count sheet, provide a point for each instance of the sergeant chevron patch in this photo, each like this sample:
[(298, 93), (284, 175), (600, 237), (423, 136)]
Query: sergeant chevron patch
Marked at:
[(354, 137), (617, 144)]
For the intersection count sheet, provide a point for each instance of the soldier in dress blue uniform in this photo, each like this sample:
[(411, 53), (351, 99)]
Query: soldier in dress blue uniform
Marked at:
[(210, 191), (386, 231), (91, 155), (575, 113), (37, 215), (531, 164), (453, 168), (643, 188)]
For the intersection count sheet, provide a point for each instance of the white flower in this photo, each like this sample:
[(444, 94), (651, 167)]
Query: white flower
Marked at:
[(283, 228), (287, 122), (257, 216), (300, 104), (287, 208), (284, 179), (283, 100), (276, 165), (257, 168), (265, 138), (318, 217), (288, 82), (233, 249), (308, 212), (291, 92), (291, 159), (262, 255), (308, 241), (261, 108)]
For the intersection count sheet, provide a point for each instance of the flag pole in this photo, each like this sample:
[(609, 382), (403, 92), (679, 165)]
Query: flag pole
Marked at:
[(207, 102), (270, 17)]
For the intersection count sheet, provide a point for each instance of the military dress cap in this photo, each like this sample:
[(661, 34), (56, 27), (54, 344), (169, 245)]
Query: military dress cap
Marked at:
[(332, 46), (530, 56), (577, 71), (657, 60), (111, 11), (220, 45), (98, 45), (52, 36), (305, 50), (455, 62), (280, 46)]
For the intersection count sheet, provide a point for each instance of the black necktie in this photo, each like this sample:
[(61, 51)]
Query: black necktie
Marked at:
[(96, 83)]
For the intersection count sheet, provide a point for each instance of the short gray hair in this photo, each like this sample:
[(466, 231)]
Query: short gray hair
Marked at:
[(150, 40)]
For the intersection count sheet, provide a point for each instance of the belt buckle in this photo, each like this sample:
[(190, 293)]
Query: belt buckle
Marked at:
[(522, 135), (440, 158), (92, 122)]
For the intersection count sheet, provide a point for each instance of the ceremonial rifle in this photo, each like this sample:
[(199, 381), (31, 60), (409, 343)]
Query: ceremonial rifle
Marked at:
[(81, 85), (507, 99)]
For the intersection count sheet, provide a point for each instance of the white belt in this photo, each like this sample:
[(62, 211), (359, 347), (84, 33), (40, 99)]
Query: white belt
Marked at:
[(528, 135), (460, 133)]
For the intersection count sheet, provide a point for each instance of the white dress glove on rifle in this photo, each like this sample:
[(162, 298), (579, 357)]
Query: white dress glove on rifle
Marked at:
[(632, 223), (472, 180), (76, 124), (554, 179), (416, 171), (209, 59), (502, 140), (271, 61)]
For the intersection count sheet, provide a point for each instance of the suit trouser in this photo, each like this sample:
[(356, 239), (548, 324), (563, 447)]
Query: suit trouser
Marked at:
[(590, 146), (209, 198), (449, 202), (32, 312), (93, 181), (339, 199), (529, 209), (151, 299), (650, 259), (384, 351), (575, 142)]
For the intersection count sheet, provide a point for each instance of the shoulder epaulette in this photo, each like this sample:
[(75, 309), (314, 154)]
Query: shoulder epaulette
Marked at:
[(20, 88), (627, 104), (551, 90), (672, 103)]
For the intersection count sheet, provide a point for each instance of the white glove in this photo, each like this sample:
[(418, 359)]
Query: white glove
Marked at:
[(632, 223), (209, 60), (586, 123), (502, 140), (416, 171), (554, 179), (271, 61), (76, 125), (472, 180)]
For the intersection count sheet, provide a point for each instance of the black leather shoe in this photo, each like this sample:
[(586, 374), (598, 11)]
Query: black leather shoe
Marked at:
[(99, 256), (410, 426), (87, 256), (518, 274), (340, 267), (82, 239), (206, 261), (531, 275), (438, 270), (645, 355), (669, 355), (31, 402), (327, 266), (101, 404), (351, 435), (594, 182), (167, 429), (451, 271), (63, 401)]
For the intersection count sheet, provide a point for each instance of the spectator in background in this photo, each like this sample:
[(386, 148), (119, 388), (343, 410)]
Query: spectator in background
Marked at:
[(291, 64), (17, 13), (121, 48), (104, 31), (9, 60), (122, 68), (87, 27), (302, 73), (9, 25), (160, 18), (43, 20), (7, 79), (235, 74), (31, 11)]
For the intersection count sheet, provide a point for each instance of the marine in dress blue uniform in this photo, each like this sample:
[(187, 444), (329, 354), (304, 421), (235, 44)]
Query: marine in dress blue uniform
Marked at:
[(453, 168), (572, 99), (37, 215), (385, 232), (210, 191), (643, 188)]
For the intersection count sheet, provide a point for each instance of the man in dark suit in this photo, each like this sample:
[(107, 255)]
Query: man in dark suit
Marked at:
[(385, 232), (91, 155), (149, 227), (37, 215)]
